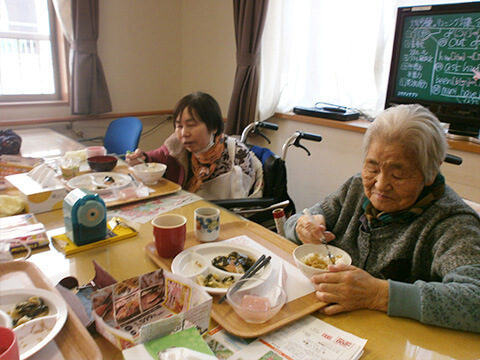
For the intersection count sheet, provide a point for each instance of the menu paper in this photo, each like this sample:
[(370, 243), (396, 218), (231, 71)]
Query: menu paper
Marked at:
[(306, 339)]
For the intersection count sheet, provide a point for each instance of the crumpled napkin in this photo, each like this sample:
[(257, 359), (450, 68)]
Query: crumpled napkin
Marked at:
[(11, 205), (80, 154), (183, 354)]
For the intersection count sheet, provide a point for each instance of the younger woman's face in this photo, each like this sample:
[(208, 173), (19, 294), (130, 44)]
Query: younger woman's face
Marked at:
[(192, 132)]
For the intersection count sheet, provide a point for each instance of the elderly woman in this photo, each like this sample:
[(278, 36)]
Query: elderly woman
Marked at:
[(200, 157), (414, 243)]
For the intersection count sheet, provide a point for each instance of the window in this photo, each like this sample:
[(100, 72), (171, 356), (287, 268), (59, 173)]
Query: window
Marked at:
[(335, 52), (31, 60)]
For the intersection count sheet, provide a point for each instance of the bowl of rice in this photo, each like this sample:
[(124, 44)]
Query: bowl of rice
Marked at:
[(312, 258)]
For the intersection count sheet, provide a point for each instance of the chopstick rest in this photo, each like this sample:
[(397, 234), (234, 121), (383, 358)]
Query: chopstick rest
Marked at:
[(260, 263)]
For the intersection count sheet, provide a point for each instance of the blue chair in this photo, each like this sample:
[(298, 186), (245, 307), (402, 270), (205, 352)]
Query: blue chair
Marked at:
[(122, 135)]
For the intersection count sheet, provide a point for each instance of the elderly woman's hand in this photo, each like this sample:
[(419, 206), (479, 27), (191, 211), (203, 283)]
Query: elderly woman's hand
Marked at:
[(137, 157), (347, 288), (310, 232)]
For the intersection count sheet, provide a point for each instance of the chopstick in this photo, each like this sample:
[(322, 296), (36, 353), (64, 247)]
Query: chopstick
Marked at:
[(260, 263)]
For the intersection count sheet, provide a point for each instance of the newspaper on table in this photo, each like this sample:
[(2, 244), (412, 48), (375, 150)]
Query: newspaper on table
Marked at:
[(306, 339), (152, 305)]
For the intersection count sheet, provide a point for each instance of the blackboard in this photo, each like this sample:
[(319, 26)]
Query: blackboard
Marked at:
[(440, 58)]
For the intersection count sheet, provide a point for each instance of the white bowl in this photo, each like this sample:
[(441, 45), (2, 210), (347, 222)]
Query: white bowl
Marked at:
[(303, 250), (149, 173)]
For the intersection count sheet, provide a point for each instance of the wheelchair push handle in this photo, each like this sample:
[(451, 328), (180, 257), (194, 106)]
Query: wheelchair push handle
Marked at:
[(309, 136), (295, 140), (452, 159), (256, 128), (267, 125)]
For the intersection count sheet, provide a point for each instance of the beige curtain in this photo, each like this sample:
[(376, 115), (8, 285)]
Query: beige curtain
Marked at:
[(249, 20), (88, 87)]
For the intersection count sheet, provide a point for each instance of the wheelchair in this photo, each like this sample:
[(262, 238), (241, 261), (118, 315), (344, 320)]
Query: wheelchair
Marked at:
[(275, 192)]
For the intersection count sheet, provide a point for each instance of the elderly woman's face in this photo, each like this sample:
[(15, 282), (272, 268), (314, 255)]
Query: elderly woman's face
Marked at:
[(191, 131), (391, 177)]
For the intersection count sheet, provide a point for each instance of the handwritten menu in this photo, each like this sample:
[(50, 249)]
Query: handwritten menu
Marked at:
[(440, 58)]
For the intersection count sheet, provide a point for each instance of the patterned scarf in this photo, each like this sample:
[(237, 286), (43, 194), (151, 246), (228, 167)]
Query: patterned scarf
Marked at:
[(428, 195), (204, 164)]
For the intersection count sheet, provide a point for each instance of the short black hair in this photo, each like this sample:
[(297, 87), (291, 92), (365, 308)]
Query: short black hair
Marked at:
[(204, 108)]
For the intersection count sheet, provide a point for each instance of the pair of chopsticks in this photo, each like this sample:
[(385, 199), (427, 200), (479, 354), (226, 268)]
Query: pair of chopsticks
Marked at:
[(260, 263)]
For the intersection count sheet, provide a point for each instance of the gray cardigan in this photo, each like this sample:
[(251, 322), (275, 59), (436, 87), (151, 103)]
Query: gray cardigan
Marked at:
[(432, 264)]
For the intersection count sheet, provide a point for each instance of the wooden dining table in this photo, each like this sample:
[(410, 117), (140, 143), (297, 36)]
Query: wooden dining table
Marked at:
[(387, 337)]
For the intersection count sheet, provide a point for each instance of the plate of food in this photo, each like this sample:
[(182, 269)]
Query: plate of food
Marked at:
[(37, 317), (100, 182), (216, 266)]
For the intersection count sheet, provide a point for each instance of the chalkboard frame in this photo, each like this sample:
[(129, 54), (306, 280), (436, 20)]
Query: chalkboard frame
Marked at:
[(464, 119)]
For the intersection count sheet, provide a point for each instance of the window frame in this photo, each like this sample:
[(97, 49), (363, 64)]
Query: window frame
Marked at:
[(60, 50)]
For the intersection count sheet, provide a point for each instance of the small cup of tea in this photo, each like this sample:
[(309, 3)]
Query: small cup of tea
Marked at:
[(207, 224), (169, 231)]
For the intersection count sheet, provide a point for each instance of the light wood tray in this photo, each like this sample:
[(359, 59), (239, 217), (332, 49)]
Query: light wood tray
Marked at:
[(73, 340), (162, 188), (223, 314)]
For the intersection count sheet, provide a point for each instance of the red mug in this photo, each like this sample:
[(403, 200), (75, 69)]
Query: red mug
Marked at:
[(169, 231), (8, 345)]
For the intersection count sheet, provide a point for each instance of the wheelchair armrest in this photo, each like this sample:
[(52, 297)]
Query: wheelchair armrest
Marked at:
[(245, 203)]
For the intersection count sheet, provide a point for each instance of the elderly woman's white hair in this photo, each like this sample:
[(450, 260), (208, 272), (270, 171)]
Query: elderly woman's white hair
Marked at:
[(416, 128)]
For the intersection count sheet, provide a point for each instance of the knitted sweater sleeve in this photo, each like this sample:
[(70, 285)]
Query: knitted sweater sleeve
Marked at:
[(332, 202), (452, 303)]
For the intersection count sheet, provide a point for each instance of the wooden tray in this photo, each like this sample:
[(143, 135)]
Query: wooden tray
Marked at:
[(73, 340), (223, 314), (163, 187)]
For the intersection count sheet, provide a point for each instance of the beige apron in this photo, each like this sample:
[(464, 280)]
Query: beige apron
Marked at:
[(234, 184)]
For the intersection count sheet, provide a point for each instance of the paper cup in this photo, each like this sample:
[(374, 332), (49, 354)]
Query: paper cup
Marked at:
[(95, 151), (207, 224), (8, 345), (169, 232)]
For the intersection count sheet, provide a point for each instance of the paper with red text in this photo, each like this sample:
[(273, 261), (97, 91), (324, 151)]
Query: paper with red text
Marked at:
[(306, 339)]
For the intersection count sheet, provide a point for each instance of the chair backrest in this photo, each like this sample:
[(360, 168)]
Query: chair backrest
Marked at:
[(123, 135), (274, 176)]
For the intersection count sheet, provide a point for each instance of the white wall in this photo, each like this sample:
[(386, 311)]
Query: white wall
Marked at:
[(339, 155), (153, 52)]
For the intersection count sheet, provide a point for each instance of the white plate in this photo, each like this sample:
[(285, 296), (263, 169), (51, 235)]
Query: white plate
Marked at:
[(94, 181), (32, 342), (209, 252)]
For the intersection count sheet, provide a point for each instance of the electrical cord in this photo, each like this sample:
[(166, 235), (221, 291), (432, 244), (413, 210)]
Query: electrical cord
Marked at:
[(169, 117)]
